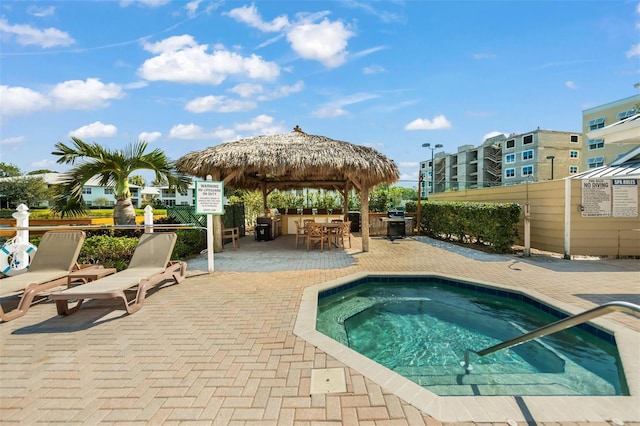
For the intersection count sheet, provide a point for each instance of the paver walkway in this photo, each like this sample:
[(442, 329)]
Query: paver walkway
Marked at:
[(219, 348)]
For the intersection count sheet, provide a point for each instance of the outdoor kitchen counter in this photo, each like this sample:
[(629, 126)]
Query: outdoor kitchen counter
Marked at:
[(288, 220)]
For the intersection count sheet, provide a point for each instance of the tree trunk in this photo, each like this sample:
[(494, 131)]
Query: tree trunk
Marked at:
[(124, 212)]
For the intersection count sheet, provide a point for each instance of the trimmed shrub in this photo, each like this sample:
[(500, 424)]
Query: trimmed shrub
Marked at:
[(491, 224)]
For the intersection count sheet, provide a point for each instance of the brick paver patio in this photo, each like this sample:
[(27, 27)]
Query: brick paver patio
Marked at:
[(219, 348)]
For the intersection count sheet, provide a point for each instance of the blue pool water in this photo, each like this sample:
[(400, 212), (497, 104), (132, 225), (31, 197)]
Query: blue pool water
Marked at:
[(420, 328)]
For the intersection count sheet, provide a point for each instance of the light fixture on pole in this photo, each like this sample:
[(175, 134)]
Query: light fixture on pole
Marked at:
[(551, 157), (418, 212), (433, 168)]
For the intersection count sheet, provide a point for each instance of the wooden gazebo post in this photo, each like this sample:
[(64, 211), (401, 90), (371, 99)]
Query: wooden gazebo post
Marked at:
[(364, 212)]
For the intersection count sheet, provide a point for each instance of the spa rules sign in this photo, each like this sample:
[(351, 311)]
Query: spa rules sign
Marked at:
[(610, 198), (209, 197)]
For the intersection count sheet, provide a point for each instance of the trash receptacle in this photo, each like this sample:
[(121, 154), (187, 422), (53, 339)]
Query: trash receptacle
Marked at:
[(354, 217), (263, 231)]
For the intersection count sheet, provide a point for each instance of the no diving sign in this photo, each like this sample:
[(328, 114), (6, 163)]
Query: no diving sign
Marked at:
[(209, 197)]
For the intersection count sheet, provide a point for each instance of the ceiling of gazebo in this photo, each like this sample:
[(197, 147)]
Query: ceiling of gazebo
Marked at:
[(291, 161)]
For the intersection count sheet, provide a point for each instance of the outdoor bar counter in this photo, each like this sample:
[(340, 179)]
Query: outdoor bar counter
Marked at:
[(289, 216)]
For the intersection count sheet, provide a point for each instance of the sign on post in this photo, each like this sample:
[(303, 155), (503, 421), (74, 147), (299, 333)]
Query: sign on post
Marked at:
[(209, 201), (209, 197)]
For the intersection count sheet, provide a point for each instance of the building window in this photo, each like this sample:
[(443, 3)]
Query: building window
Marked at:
[(527, 171), (626, 114), (510, 158), (511, 143), (594, 162), (510, 173), (184, 193), (573, 170), (527, 139), (573, 153), (108, 191), (527, 155), (595, 144), (574, 138), (168, 193), (86, 191), (169, 203), (596, 123)]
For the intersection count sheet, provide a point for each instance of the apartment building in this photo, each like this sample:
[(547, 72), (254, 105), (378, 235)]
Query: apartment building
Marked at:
[(540, 155), (596, 152), (504, 160)]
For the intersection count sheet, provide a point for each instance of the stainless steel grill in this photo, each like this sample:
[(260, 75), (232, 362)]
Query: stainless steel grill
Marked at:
[(395, 224)]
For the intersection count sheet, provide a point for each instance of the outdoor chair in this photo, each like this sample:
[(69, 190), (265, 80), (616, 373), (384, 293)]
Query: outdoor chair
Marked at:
[(52, 262), (233, 234), (345, 232), (301, 232), (316, 233), (149, 267)]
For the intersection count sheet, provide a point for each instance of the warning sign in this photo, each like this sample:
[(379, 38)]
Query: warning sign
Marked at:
[(625, 197), (610, 198), (596, 198), (209, 197)]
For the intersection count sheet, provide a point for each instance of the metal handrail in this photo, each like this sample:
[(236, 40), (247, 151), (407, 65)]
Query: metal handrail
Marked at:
[(560, 325)]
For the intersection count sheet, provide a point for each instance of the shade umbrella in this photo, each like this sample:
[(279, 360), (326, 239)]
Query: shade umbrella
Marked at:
[(293, 161)]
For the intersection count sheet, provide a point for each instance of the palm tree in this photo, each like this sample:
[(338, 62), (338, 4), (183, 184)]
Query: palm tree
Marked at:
[(113, 169)]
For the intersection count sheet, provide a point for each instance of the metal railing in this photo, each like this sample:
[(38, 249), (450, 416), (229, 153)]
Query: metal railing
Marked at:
[(560, 325)]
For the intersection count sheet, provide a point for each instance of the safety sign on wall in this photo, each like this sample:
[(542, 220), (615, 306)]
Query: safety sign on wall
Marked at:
[(610, 198)]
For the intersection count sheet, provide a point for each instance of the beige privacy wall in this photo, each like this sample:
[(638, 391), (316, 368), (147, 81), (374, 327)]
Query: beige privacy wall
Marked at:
[(560, 230)]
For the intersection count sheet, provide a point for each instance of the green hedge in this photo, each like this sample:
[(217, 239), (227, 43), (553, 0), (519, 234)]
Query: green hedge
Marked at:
[(113, 251), (492, 224)]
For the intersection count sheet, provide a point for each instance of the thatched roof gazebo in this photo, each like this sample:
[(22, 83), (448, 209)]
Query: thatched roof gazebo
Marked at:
[(293, 161)]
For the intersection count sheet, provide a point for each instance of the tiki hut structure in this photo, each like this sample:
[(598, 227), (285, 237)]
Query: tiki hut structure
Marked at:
[(293, 161)]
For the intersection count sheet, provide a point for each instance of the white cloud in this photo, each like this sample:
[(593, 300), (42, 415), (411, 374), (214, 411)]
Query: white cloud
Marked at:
[(282, 91), (187, 131), (21, 100), (334, 108), (12, 141), (89, 94), (439, 122), (26, 35), (329, 112), (41, 12), (634, 51), (149, 136), (180, 59), (218, 104), (259, 125), (148, 3), (250, 16), (325, 42), (73, 94), (373, 69), (244, 90), (95, 130), (192, 8), (571, 85)]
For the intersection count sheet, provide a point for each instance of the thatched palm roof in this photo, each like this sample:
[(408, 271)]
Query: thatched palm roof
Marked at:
[(288, 161)]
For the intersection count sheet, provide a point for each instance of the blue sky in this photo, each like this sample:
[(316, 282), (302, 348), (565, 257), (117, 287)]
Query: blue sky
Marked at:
[(185, 75)]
